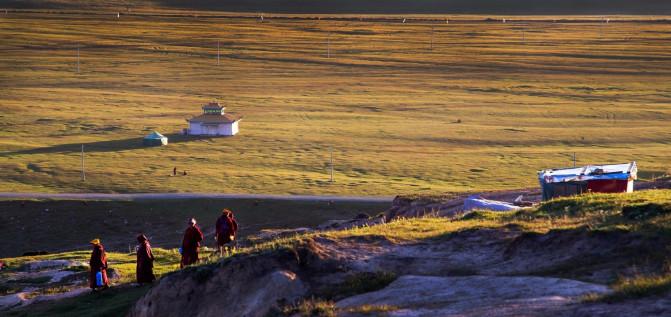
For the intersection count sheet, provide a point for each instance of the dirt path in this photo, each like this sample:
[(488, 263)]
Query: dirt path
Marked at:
[(164, 196)]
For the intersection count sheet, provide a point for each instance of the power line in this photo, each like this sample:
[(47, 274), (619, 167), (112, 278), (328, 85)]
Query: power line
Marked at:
[(328, 46), (331, 149), (432, 38), (83, 173)]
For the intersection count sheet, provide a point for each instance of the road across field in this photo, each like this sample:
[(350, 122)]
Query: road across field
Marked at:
[(164, 196)]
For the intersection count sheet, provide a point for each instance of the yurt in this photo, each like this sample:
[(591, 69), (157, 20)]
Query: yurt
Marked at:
[(155, 139)]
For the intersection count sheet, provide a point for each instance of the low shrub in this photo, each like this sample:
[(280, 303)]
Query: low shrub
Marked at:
[(359, 283), (372, 309), (310, 308), (645, 211), (635, 287)]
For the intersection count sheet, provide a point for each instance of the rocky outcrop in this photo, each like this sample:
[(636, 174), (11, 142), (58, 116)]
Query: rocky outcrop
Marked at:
[(450, 205), (51, 265), (475, 296), (46, 280), (470, 272)]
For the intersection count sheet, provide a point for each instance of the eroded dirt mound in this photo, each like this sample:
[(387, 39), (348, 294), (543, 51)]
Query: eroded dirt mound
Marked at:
[(241, 286), (524, 273)]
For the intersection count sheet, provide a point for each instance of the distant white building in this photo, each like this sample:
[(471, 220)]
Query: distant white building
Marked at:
[(213, 121)]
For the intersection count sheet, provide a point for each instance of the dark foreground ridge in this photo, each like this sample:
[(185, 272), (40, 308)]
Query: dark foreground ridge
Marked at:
[(532, 7), (169, 196)]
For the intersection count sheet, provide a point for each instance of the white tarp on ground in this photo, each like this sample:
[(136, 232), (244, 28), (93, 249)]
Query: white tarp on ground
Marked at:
[(475, 202)]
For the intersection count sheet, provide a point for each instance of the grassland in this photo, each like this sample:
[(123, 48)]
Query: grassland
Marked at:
[(483, 107)]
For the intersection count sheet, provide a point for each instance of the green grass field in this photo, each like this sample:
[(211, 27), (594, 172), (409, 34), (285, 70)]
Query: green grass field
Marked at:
[(483, 107)]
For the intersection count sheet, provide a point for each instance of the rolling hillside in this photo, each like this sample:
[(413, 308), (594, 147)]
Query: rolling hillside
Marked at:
[(600, 254)]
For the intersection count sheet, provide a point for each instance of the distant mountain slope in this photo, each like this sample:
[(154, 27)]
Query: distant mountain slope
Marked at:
[(658, 7)]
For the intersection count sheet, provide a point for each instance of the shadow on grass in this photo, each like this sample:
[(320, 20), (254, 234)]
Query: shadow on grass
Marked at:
[(113, 302), (107, 146)]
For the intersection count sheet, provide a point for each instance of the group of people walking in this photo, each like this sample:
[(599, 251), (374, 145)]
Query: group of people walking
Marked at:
[(226, 229)]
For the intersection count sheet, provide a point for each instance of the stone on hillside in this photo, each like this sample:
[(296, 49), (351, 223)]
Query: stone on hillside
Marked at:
[(12, 300), (113, 274), (50, 264), (475, 295)]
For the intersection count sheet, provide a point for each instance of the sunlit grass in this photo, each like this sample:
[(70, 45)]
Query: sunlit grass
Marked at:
[(312, 307), (598, 212), (123, 263), (635, 287), (372, 309), (480, 111)]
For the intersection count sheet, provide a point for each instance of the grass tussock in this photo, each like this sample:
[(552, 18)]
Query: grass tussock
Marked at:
[(51, 290), (633, 288), (372, 309), (311, 307), (359, 283)]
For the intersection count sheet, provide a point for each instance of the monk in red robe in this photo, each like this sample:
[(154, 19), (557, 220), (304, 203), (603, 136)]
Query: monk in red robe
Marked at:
[(225, 230), (144, 270), (98, 264), (190, 244)]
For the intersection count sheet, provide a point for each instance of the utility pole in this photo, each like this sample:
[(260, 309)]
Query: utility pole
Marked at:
[(432, 38), (601, 29), (574, 160), (331, 164), (83, 173), (328, 46), (217, 52)]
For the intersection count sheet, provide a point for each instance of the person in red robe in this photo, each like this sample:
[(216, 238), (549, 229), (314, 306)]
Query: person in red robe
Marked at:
[(190, 244), (98, 263), (225, 230), (144, 270)]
